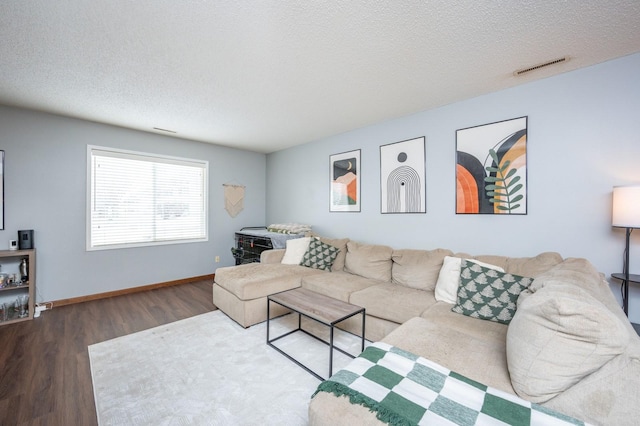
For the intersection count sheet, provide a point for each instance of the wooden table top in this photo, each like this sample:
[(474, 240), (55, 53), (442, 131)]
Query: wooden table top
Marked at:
[(315, 305)]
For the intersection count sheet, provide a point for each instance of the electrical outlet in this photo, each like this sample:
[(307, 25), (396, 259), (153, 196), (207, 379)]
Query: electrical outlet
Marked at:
[(217, 259)]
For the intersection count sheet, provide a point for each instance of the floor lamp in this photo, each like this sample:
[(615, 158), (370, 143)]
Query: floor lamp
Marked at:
[(626, 214)]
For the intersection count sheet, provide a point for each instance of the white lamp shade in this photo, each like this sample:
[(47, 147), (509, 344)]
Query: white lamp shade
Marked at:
[(626, 206)]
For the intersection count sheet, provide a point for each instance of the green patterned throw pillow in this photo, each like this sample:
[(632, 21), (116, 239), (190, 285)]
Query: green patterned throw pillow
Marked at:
[(319, 255), (488, 294)]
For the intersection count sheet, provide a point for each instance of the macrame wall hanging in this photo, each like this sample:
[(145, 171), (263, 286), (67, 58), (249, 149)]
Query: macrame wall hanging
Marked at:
[(233, 199)]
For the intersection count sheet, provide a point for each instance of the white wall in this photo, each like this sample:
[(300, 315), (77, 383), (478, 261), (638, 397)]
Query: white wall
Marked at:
[(583, 138), (45, 190)]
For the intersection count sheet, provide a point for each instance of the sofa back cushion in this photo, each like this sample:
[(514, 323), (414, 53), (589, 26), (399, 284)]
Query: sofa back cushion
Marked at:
[(369, 261), (559, 335), (533, 266), (340, 244), (574, 271), (417, 269), (524, 266)]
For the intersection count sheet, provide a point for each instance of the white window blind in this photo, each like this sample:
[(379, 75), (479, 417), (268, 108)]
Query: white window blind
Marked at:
[(137, 199)]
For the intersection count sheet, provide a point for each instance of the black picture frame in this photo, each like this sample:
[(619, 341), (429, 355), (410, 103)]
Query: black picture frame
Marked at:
[(345, 178), (403, 182), (491, 168)]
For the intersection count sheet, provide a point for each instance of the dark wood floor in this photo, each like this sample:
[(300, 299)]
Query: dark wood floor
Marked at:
[(44, 364)]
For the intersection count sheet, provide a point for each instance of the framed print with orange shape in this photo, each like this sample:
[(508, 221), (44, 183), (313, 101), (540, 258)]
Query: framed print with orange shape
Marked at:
[(491, 168), (345, 173)]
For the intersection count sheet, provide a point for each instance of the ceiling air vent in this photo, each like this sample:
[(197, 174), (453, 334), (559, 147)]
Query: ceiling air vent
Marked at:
[(537, 67), (164, 130)]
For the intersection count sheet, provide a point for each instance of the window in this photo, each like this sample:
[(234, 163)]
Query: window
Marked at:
[(137, 199)]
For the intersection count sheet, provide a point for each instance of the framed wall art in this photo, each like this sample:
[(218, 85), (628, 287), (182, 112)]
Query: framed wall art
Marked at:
[(345, 182), (402, 177), (491, 168)]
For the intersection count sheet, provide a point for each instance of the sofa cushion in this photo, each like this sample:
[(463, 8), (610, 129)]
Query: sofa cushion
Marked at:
[(417, 268), (272, 256), (488, 294), (295, 250), (338, 285), (524, 266), (446, 289), (440, 313), (392, 302), (458, 343), (558, 336), (582, 273), (341, 245), (256, 280), (574, 271), (319, 255), (533, 266), (369, 261)]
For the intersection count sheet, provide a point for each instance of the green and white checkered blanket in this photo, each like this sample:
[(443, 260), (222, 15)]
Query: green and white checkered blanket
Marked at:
[(405, 389)]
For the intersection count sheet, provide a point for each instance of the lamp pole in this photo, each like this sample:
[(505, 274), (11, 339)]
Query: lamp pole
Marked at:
[(625, 305)]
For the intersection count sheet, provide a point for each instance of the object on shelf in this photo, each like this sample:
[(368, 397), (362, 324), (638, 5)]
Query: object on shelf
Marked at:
[(25, 239), (24, 271), (22, 305)]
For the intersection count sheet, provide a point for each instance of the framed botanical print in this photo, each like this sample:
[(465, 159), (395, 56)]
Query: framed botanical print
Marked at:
[(491, 168)]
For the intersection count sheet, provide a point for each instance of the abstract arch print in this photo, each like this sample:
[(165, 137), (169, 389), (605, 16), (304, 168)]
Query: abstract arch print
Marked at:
[(491, 168), (402, 177)]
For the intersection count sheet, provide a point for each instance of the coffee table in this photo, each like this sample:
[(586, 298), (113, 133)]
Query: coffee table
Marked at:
[(323, 309)]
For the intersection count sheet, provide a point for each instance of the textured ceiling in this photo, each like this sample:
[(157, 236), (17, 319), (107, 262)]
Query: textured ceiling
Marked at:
[(264, 75)]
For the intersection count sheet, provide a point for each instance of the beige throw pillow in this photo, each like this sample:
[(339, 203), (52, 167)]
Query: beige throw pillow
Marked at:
[(559, 335), (295, 249), (449, 278)]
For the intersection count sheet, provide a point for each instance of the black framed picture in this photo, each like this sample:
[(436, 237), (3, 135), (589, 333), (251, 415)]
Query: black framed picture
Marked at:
[(403, 177), (491, 168), (345, 173)]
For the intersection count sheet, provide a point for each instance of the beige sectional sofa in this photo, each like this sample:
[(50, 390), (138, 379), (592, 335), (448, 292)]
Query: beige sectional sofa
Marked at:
[(568, 346)]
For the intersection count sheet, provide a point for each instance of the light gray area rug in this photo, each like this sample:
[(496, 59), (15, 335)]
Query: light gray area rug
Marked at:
[(207, 370)]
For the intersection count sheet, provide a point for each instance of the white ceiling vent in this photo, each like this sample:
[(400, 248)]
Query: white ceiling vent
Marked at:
[(537, 67), (164, 130)]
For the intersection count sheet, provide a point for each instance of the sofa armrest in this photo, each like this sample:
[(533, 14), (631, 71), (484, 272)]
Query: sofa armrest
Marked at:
[(272, 256)]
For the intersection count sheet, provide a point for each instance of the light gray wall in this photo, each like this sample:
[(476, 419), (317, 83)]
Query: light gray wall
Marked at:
[(45, 190), (583, 139)]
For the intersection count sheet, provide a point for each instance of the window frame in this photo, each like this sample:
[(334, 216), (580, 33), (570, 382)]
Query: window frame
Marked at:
[(145, 156)]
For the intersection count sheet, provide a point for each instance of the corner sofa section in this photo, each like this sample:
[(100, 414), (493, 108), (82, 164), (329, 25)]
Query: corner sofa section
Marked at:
[(392, 285), (568, 347)]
